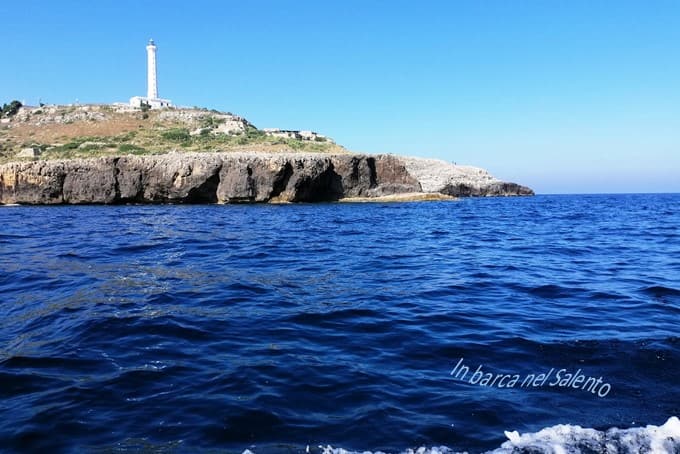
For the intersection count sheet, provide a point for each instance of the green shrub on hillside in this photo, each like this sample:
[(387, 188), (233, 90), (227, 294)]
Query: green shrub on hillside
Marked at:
[(176, 135), (129, 148), (254, 133), (11, 109), (73, 145)]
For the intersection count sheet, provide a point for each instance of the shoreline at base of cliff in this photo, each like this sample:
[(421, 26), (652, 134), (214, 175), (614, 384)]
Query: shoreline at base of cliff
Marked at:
[(402, 197), (214, 177)]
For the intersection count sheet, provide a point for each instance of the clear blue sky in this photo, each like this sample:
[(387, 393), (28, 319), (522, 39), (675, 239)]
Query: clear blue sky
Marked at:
[(564, 96)]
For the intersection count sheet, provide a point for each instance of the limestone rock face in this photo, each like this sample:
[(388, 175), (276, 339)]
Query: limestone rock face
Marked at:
[(29, 152), (256, 179), (89, 181), (460, 181), (498, 188), (238, 178), (33, 183)]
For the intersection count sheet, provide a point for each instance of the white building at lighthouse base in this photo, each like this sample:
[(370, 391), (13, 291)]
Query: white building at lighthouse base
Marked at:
[(154, 103), (152, 100)]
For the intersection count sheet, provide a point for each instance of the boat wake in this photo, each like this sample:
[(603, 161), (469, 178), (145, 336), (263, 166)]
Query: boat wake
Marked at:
[(567, 439)]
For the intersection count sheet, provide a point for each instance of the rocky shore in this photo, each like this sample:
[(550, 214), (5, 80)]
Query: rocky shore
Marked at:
[(239, 178)]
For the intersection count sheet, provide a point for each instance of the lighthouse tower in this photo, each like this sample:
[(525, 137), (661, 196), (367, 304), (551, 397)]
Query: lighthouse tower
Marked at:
[(151, 99), (152, 84)]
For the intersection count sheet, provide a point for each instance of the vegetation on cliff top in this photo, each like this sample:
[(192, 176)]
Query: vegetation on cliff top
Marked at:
[(62, 132), (11, 109)]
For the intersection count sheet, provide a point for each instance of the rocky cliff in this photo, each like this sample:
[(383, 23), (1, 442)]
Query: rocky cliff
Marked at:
[(237, 178), (443, 177)]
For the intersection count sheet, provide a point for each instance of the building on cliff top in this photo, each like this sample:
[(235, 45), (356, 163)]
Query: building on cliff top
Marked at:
[(293, 134), (151, 99)]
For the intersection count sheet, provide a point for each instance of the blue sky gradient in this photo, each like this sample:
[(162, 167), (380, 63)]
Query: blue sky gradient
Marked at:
[(563, 96)]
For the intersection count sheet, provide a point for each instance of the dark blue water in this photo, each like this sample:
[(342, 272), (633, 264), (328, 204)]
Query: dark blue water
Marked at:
[(183, 328)]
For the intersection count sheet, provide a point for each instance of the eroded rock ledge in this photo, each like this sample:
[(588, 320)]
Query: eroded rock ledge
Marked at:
[(234, 178)]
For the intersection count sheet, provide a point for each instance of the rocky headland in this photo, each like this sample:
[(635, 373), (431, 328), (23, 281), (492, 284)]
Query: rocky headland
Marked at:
[(240, 178), (115, 154)]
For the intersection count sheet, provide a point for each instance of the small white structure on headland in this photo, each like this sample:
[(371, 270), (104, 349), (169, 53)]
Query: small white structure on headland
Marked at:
[(293, 134), (151, 99), (29, 152)]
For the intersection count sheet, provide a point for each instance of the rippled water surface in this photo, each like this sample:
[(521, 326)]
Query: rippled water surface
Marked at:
[(271, 328)]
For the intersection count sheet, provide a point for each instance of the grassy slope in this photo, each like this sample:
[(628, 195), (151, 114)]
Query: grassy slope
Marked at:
[(88, 131)]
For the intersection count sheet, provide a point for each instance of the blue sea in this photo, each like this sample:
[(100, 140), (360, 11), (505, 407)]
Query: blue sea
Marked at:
[(538, 324)]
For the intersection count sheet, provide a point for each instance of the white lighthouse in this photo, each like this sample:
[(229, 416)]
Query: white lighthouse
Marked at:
[(152, 84), (151, 99)]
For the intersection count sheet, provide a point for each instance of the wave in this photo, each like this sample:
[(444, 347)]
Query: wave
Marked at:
[(659, 291), (564, 439)]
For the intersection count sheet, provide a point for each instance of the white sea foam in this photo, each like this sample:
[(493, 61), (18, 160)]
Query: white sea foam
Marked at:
[(567, 439)]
